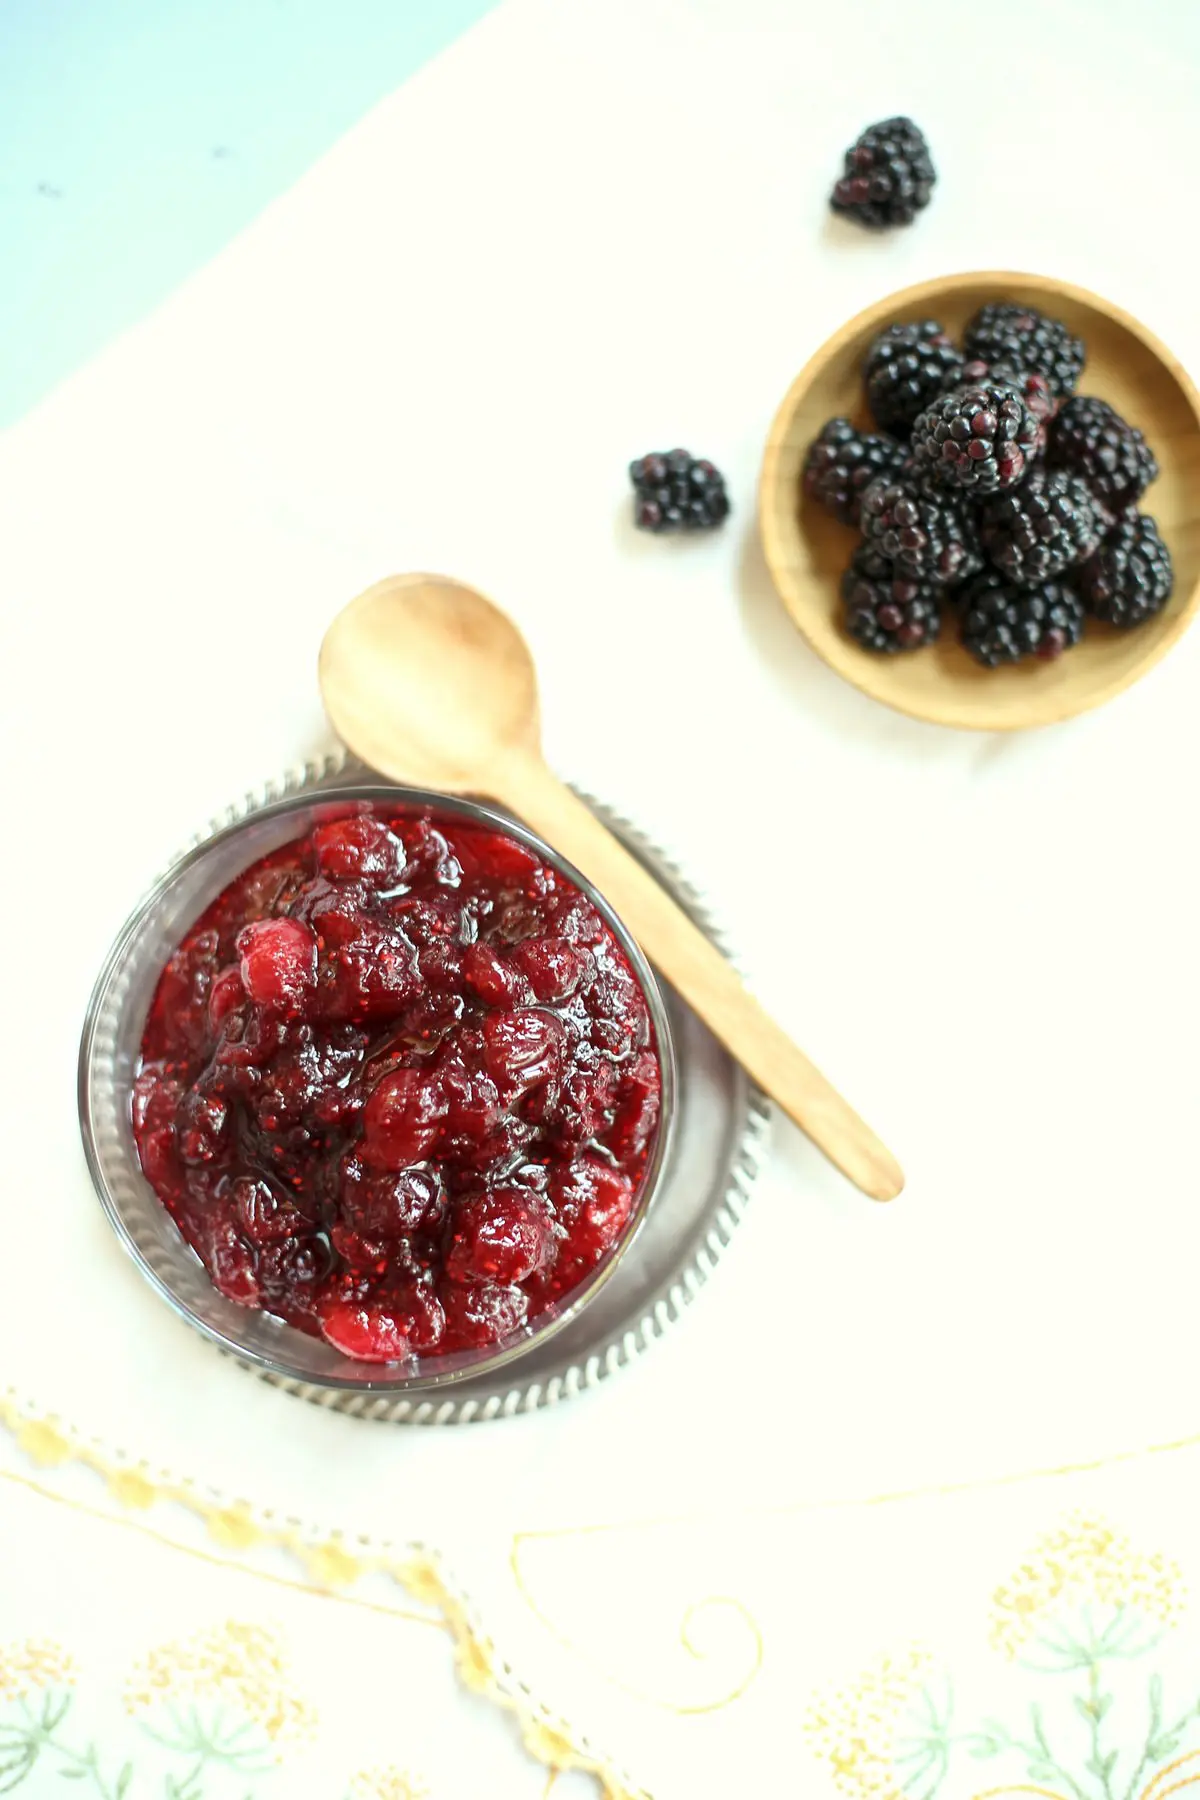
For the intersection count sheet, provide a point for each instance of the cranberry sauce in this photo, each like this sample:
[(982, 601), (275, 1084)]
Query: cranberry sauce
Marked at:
[(398, 1086)]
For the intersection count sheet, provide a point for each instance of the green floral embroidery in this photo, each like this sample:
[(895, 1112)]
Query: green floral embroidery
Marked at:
[(214, 1708), (27, 1735), (1081, 1616), (1087, 1750), (217, 1706), (30, 1737), (209, 1740)]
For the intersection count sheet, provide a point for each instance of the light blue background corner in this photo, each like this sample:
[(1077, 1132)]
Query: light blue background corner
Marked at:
[(137, 137)]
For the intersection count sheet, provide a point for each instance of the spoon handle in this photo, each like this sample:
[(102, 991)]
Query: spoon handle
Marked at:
[(699, 972)]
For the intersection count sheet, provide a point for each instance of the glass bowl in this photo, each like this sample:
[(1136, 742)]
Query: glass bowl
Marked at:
[(108, 1057)]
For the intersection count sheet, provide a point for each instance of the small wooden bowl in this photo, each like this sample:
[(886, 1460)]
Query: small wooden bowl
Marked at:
[(807, 550)]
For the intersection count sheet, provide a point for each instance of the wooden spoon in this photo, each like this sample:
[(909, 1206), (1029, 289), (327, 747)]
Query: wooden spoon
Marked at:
[(428, 682)]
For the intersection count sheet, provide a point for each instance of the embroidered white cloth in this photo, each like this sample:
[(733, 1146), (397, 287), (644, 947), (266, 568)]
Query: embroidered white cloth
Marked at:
[(584, 232), (158, 1640)]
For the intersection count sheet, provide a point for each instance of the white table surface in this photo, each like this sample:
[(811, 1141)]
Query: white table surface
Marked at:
[(584, 231)]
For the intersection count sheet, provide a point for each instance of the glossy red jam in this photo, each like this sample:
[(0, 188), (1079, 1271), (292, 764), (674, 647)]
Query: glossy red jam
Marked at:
[(398, 1086)]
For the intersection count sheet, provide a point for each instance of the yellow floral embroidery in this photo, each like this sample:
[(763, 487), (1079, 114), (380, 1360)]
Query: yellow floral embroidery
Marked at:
[(233, 1527), (1084, 1609), (37, 1663), (43, 1443), (242, 1666), (474, 1665), (331, 1566), (131, 1488), (387, 1784), (548, 1746), (855, 1730), (1084, 1560), (422, 1581)]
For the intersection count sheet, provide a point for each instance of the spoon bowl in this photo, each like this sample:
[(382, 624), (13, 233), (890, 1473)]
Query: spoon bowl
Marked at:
[(421, 673), (428, 682)]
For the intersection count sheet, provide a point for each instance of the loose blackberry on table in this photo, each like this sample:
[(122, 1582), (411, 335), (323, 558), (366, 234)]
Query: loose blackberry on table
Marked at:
[(675, 491), (1021, 337), (1004, 623), (843, 462), (977, 439), (886, 610), (1130, 577), (1044, 526), (1090, 438), (905, 368), (926, 537), (889, 176)]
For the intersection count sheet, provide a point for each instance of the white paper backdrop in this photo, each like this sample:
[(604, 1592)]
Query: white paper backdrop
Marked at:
[(588, 230)]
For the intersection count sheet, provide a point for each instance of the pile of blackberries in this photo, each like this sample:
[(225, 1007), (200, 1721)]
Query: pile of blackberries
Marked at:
[(991, 489)]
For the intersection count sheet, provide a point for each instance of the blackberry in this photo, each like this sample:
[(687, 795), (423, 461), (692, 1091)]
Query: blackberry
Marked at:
[(843, 461), (675, 491), (889, 176), (1034, 390), (906, 367), (1001, 623), (1129, 578), (1042, 527), (1091, 439), (977, 439), (886, 610), (925, 536), (1020, 337)]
